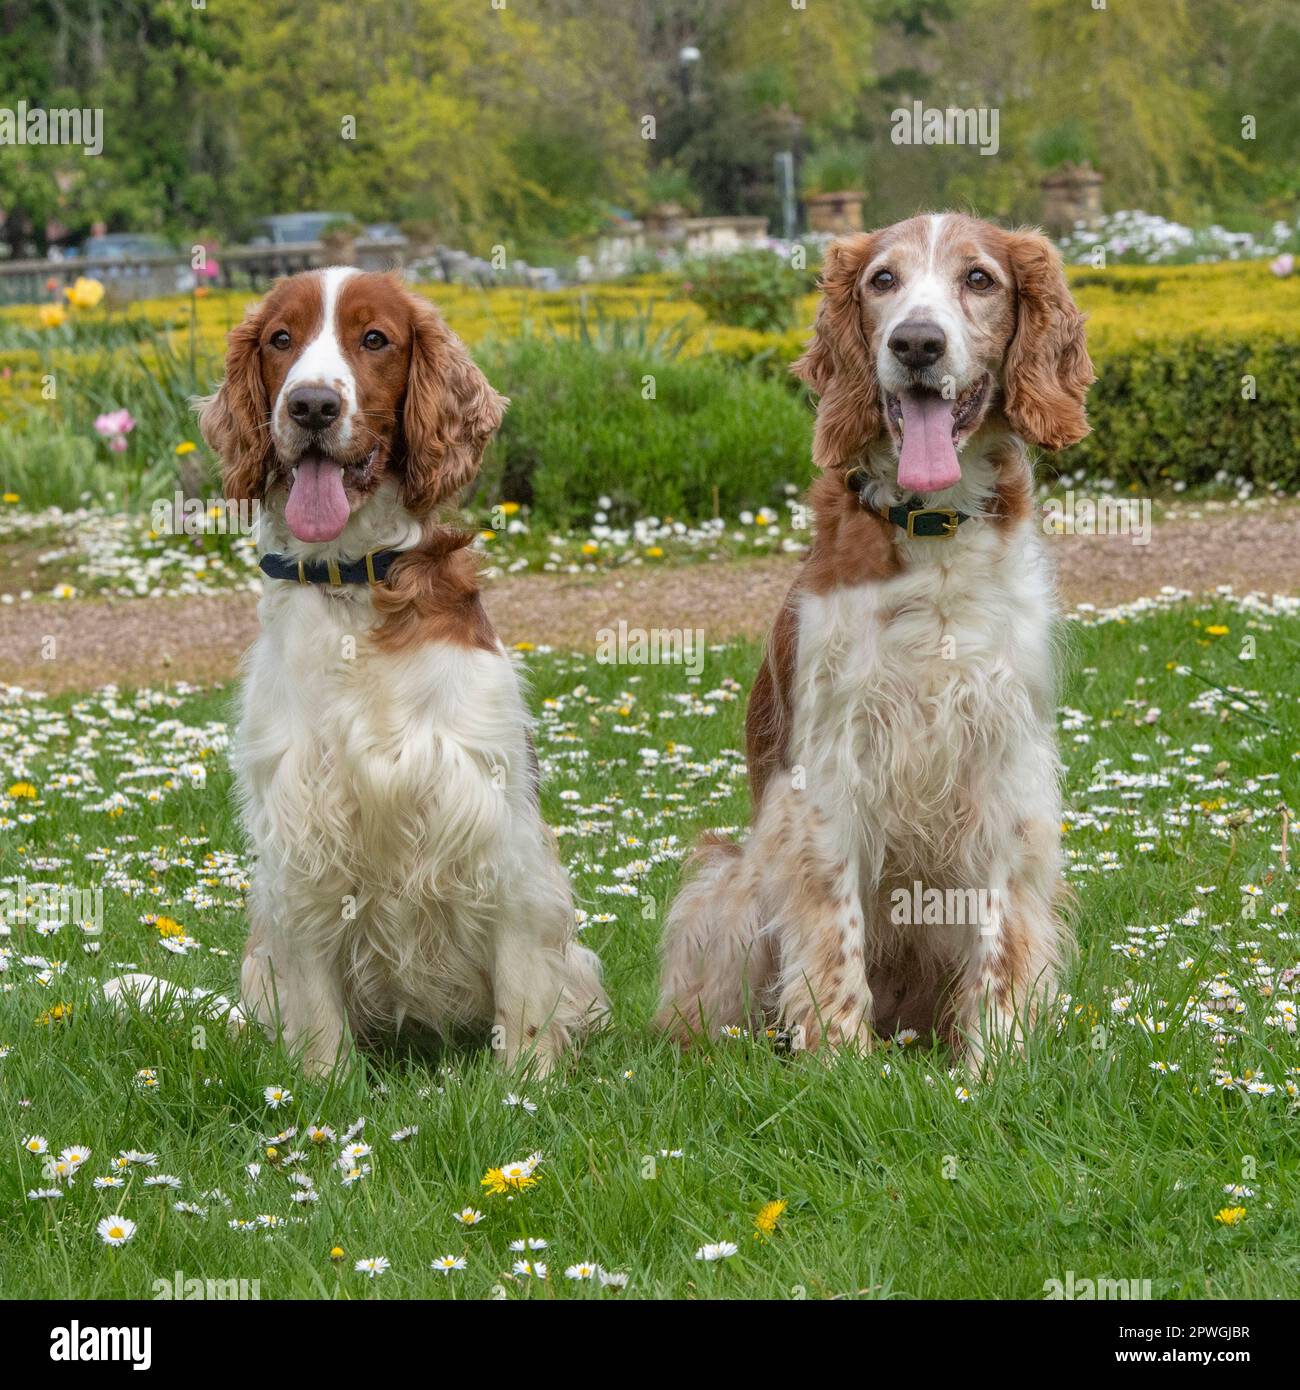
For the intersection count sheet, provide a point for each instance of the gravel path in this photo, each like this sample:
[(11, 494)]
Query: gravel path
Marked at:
[(83, 643)]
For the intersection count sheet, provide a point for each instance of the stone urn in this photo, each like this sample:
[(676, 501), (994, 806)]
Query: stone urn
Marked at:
[(666, 222), (837, 213), (339, 246), (1071, 194)]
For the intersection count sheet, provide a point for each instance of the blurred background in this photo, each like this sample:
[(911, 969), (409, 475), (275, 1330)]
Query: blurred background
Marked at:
[(603, 195), (523, 125)]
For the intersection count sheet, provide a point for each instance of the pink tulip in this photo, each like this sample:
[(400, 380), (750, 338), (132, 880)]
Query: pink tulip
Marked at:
[(116, 422)]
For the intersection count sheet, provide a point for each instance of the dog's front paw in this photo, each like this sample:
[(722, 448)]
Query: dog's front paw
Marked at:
[(829, 1037)]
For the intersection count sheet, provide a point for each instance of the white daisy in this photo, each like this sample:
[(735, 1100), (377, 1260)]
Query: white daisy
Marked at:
[(722, 1250), (115, 1230), (373, 1267), (444, 1264)]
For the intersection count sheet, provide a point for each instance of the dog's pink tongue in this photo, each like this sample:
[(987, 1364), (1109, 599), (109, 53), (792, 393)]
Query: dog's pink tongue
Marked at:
[(927, 462), (317, 509)]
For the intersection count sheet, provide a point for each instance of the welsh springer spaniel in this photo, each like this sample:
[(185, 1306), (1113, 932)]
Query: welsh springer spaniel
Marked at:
[(385, 768), (900, 733)]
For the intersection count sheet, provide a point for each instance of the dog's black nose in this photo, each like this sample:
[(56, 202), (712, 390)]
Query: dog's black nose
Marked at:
[(918, 343), (314, 407)]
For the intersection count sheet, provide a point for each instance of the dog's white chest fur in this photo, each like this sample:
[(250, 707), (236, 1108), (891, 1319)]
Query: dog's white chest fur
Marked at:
[(923, 706), (388, 796)]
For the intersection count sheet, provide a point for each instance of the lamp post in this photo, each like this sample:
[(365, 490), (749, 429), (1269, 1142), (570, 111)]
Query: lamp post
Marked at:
[(787, 173), (686, 61)]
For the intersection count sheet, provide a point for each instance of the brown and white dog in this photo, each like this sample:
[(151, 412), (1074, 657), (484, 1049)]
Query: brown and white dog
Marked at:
[(901, 730), (383, 756)]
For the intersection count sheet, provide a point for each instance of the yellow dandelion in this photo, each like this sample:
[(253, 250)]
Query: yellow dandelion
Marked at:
[(509, 508), (768, 1215), (168, 926), (11, 498), (336, 1254), (1217, 630), (24, 790), (514, 1177), (186, 446), (1229, 1216), (655, 552), (525, 646)]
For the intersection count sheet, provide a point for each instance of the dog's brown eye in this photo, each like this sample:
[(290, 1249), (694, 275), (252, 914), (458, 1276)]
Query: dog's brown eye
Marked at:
[(883, 280), (280, 339), (374, 340), (979, 279)]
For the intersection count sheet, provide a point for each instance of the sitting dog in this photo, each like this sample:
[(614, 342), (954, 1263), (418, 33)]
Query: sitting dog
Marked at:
[(386, 774), (900, 734)]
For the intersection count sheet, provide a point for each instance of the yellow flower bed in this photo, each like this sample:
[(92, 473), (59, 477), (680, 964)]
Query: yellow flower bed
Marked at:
[(1224, 299), (1241, 299)]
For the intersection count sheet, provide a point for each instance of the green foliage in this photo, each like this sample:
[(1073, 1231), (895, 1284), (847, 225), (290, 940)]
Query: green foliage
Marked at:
[(47, 466), (1166, 412), (52, 451), (1067, 142), (834, 167), (520, 125), (580, 427), (752, 289)]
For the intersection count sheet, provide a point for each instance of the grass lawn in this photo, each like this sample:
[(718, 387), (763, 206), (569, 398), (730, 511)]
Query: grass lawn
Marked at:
[(1169, 1075)]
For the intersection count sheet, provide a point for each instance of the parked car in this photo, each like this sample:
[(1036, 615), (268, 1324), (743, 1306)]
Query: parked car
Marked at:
[(288, 227), (130, 248), (123, 246)]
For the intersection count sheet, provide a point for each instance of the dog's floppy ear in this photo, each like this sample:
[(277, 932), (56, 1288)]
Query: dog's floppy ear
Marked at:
[(451, 412), (235, 419), (837, 364), (1047, 370)]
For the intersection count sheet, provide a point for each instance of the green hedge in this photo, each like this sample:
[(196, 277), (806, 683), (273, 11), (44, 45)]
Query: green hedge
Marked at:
[(580, 428), (1166, 412)]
